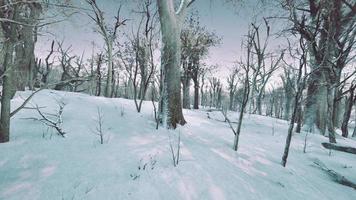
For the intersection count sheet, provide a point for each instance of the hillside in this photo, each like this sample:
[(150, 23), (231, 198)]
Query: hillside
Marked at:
[(135, 161)]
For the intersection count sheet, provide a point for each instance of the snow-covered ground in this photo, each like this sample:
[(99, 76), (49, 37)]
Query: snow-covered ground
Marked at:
[(135, 162)]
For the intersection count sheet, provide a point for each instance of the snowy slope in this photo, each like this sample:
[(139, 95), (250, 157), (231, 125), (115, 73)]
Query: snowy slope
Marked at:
[(136, 163)]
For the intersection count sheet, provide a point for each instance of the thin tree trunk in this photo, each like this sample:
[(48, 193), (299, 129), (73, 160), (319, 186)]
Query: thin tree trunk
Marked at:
[(259, 103), (196, 94), (297, 99), (243, 106), (108, 88), (291, 124)]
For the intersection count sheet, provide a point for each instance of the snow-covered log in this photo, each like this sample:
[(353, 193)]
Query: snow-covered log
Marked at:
[(334, 175), (339, 148)]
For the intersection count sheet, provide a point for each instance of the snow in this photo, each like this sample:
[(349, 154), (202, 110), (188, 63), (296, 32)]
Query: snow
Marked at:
[(135, 162)]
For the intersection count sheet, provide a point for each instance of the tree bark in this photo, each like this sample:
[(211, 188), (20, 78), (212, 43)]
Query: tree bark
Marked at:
[(348, 108), (329, 116), (108, 88), (7, 92), (170, 62), (243, 107), (186, 95), (196, 95)]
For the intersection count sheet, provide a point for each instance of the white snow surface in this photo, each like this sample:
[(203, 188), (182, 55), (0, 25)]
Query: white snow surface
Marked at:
[(135, 162)]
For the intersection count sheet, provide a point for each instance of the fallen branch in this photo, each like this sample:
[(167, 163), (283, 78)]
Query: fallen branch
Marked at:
[(51, 120), (334, 175), (25, 102), (23, 105), (339, 148)]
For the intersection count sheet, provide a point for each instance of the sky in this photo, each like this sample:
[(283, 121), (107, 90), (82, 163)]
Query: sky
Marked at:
[(228, 21)]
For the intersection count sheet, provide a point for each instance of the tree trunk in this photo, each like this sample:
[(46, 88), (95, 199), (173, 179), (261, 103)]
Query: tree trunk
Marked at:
[(170, 62), (312, 115), (108, 88), (347, 114), (259, 103), (196, 95), (299, 119), (337, 111), (202, 93), (231, 102), (186, 95), (287, 107), (329, 116), (7, 93), (243, 107)]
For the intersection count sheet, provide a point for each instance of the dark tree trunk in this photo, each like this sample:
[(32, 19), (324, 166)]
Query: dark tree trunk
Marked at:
[(8, 86), (329, 116), (287, 106), (259, 104), (299, 119), (231, 102), (8, 91), (346, 149), (186, 95), (348, 108), (196, 95)]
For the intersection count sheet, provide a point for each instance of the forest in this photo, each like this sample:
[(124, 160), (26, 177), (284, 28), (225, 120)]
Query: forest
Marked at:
[(177, 99)]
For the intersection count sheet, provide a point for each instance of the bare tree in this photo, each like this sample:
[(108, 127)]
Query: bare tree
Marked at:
[(246, 92), (19, 21), (348, 109), (171, 21), (71, 76), (246, 85), (44, 71), (139, 59), (196, 41), (325, 25), (289, 82), (9, 30), (52, 120), (232, 81), (109, 35), (98, 74), (301, 79), (215, 90), (99, 127), (261, 72)]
